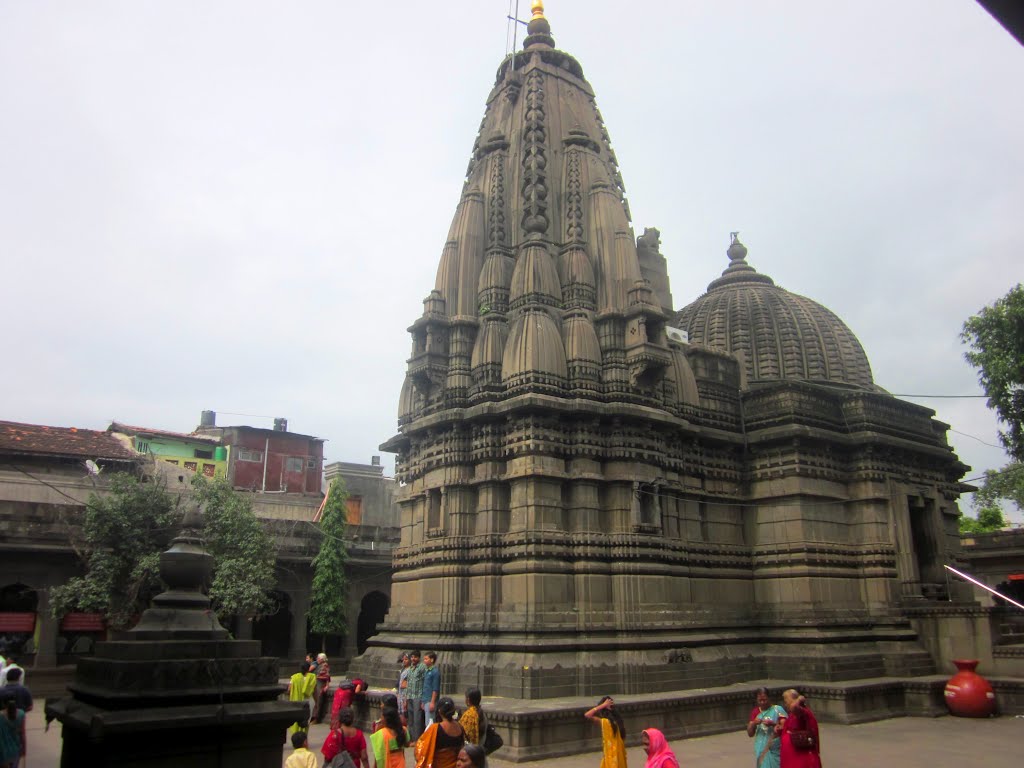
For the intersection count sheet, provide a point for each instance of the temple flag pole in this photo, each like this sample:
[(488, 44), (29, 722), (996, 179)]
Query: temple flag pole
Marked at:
[(977, 583)]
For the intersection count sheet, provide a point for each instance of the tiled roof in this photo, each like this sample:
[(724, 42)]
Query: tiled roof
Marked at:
[(129, 429), (41, 440)]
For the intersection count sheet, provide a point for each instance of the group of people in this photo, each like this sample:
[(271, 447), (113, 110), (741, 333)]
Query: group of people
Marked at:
[(15, 703), (418, 715), (784, 736)]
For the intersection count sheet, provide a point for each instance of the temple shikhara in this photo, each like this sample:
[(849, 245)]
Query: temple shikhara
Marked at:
[(603, 493)]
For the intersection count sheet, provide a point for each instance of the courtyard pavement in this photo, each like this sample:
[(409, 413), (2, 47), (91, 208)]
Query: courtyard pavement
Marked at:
[(907, 742)]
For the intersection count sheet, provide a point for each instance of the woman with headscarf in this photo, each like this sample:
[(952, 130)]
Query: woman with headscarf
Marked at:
[(761, 727), (800, 747), (440, 744), (613, 733), (659, 754)]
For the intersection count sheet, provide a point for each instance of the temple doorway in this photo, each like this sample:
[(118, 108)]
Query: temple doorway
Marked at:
[(372, 611)]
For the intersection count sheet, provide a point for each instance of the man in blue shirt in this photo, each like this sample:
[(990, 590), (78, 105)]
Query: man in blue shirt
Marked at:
[(431, 686)]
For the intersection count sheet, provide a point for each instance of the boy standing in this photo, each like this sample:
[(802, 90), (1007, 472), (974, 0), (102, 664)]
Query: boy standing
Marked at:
[(301, 757)]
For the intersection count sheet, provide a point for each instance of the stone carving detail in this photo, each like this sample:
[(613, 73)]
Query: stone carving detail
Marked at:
[(535, 159), (496, 231), (650, 240), (573, 198), (613, 161)]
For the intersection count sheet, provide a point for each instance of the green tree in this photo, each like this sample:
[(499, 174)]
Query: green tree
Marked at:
[(122, 536), (999, 486), (996, 339), (124, 532), (243, 552), (329, 602)]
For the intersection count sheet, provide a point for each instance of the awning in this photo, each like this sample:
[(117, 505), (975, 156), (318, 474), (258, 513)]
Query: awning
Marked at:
[(17, 622), (82, 622)]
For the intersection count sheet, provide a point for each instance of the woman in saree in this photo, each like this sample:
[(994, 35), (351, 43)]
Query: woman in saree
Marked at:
[(801, 747), (300, 688), (659, 754), (389, 741), (440, 744), (471, 718), (613, 733), (761, 727)]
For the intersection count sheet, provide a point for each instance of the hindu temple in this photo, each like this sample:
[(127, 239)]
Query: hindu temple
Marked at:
[(603, 493)]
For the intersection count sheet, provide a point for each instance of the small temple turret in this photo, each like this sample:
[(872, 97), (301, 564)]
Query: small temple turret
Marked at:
[(176, 689)]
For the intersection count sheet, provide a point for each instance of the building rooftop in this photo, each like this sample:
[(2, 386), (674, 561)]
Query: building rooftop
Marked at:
[(42, 440), (128, 429)]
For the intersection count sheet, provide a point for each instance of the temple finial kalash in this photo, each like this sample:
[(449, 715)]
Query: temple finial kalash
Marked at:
[(538, 30)]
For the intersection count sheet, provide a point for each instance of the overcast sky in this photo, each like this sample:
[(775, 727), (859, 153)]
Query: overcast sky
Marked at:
[(240, 206)]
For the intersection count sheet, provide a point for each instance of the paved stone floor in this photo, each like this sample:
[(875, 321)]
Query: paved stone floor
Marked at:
[(909, 742)]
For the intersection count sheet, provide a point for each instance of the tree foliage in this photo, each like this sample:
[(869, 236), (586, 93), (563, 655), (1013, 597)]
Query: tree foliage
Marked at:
[(243, 552), (999, 486), (124, 532), (996, 339), (329, 604), (122, 535)]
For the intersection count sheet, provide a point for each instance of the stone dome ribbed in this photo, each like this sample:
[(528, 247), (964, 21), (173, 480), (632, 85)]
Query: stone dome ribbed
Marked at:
[(581, 340), (490, 344), (534, 279), (534, 353), (776, 334)]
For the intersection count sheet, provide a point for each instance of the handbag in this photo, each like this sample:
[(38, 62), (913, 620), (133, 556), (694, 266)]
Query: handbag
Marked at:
[(802, 740), (492, 740)]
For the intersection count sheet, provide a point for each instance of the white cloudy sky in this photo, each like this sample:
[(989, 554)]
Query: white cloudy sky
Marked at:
[(240, 205)]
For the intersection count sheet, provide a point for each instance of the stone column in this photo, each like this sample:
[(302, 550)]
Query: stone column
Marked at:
[(297, 649), (46, 651), (244, 624)]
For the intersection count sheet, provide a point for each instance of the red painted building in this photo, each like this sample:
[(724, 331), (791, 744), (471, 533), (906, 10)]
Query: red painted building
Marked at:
[(269, 460)]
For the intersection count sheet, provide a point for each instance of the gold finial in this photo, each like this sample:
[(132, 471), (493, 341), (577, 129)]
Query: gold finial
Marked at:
[(538, 9)]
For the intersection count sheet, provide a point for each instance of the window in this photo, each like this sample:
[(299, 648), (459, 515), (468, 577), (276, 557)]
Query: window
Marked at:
[(354, 509), (191, 465), (248, 454), (294, 464), (199, 453), (209, 469), (142, 446), (433, 510), (311, 462)]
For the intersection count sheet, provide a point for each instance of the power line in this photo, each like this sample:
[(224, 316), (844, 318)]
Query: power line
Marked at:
[(973, 437)]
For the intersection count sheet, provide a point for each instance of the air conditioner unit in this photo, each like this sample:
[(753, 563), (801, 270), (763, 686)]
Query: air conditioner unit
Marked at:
[(678, 334)]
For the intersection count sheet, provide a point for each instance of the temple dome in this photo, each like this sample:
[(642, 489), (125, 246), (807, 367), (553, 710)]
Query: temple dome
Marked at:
[(534, 355), (776, 334)]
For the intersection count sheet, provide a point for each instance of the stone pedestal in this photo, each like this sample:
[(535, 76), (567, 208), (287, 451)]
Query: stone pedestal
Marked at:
[(177, 691)]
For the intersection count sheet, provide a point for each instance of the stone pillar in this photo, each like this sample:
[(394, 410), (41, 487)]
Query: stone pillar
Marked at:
[(297, 649), (244, 624), (46, 650)]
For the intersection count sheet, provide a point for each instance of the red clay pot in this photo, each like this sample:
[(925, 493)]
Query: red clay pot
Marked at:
[(968, 694)]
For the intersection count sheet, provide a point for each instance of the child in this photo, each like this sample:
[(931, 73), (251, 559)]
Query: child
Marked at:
[(301, 757)]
